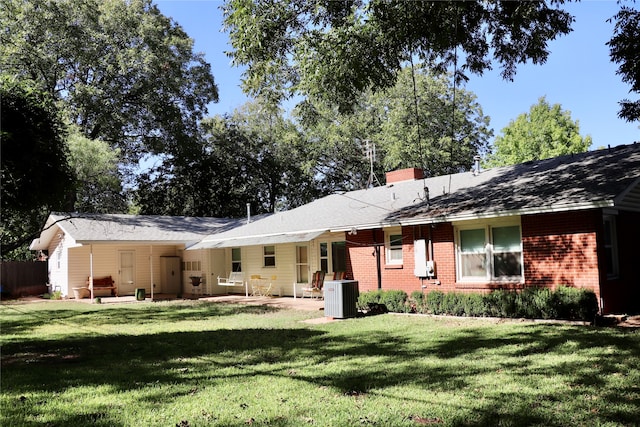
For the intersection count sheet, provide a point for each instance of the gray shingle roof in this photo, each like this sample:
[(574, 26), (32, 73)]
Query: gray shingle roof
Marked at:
[(591, 179), (102, 228)]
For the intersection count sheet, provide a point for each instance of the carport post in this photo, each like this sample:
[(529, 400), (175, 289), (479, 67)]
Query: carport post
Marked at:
[(151, 264), (91, 270)]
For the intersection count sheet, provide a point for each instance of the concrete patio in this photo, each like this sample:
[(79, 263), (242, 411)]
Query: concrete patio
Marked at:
[(306, 304)]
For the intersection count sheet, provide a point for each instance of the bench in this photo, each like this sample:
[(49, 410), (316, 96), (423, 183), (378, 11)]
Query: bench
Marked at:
[(102, 284), (235, 279)]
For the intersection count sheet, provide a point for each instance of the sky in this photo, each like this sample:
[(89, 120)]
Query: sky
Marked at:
[(578, 73)]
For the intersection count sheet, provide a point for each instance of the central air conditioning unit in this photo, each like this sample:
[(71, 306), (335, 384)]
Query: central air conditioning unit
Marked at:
[(340, 298)]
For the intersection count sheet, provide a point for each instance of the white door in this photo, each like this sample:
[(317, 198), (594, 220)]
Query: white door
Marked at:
[(126, 273)]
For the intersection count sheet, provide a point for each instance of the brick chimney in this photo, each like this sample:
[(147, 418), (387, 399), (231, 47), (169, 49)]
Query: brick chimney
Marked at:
[(409, 174)]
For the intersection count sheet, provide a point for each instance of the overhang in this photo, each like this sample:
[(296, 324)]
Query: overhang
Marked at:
[(261, 240)]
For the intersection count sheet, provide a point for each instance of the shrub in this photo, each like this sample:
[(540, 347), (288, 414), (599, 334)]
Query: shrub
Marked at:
[(368, 297), (394, 300), (541, 303), (417, 302), (501, 303), (574, 304), (474, 305), (433, 302)]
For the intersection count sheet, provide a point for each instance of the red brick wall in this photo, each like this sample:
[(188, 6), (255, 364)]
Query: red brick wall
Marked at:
[(403, 175), (561, 249), (558, 249), (401, 277)]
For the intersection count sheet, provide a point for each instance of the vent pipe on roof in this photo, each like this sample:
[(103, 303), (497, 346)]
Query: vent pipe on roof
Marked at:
[(248, 213), (476, 169)]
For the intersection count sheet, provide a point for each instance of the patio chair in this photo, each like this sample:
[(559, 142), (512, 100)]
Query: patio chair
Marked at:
[(315, 289), (261, 286), (339, 275)]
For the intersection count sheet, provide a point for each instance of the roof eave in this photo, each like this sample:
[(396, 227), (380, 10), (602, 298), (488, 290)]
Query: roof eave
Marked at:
[(507, 213)]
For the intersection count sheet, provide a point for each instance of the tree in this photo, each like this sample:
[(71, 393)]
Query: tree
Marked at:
[(546, 131), (336, 50), (625, 50), (251, 156), (98, 178), (35, 174), (420, 122), (122, 72)]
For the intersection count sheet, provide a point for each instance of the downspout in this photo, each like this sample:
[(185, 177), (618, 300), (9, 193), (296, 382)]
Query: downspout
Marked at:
[(378, 267), (378, 264)]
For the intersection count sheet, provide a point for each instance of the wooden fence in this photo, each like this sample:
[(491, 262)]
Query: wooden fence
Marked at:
[(22, 278)]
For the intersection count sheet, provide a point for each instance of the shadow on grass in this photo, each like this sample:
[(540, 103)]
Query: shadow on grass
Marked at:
[(447, 363), (82, 315)]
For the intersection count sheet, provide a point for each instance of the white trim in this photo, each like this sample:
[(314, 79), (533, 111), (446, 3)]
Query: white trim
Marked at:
[(395, 231), (489, 267), (502, 214)]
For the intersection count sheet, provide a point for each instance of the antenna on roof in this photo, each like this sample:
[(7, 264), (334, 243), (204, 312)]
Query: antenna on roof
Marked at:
[(370, 154)]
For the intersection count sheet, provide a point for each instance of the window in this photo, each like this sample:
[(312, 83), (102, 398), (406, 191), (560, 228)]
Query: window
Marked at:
[(393, 244), (269, 256), (236, 259), (302, 264), (610, 246), (488, 253), (333, 254), (324, 257), (339, 256), (191, 266)]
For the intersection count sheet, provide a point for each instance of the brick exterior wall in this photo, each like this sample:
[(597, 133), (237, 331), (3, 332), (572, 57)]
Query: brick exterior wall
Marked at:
[(404, 175), (561, 249)]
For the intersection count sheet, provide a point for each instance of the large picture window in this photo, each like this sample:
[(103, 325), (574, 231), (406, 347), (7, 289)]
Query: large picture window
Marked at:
[(489, 253)]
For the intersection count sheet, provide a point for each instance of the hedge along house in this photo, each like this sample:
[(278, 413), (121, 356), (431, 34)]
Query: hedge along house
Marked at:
[(136, 251), (572, 220)]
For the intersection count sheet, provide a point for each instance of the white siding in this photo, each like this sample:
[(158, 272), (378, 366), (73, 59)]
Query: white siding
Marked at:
[(106, 261), (219, 263)]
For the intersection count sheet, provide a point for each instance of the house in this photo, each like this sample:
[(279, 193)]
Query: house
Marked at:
[(572, 220), (135, 251)]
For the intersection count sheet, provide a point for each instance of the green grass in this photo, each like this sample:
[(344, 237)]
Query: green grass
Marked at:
[(203, 364)]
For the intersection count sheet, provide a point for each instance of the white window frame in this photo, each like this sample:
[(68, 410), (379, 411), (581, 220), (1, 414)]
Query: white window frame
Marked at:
[(238, 261), (390, 249), (489, 267), (270, 255)]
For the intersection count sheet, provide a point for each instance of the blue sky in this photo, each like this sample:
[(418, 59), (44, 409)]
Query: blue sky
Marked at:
[(578, 74)]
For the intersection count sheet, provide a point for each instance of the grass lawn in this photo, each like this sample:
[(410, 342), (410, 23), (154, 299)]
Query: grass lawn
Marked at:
[(203, 364)]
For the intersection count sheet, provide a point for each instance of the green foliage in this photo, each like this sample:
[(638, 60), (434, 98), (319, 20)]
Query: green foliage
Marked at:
[(409, 128), (252, 156), (35, 174), (122, 72), (530, 303), (394, 300), (98, 178), (624, 50), (335, 51), (546, 131)]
